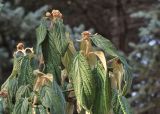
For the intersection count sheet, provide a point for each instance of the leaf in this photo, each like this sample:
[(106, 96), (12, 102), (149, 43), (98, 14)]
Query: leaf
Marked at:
[(86, 49), (125, 106), (118, 73), (83, 82), (42, 110), (115, 103), (26, 72), (2, 105), (104, 44), (108, 48), (69, 108), (21, 106), (67, 58), (102, 103), (41, 33), (52, 97), (12, 88), (102, 58), (57, 33), (52, 59), (23, 91), (15, 71)]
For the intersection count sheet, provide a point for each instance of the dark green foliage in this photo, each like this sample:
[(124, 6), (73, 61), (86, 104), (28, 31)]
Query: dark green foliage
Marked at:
[(110, 49), (102, 103), (83, 81)]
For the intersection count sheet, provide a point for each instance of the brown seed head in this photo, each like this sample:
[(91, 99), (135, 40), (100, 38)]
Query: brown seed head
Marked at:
[(56, 14), (20, 46), (85, 35)]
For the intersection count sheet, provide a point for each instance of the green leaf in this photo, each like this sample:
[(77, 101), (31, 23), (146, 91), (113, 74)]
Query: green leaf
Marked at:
[(21, 106), (52, 59), (41, 33), (57, 33), (15, 71), (115, 103), (42, 110), (125, 106), (2, 105), (52, 97), (26, 72), (104, 44), (102, 103), (23, 91), (83, 82), (12, 88), (110, 49)]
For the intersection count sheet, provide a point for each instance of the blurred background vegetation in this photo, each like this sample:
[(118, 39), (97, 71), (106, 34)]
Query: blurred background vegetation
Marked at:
[(132, 25)]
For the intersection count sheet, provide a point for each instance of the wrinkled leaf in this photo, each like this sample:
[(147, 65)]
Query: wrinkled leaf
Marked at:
[(83, 81), (23, 91), (125, 106), (26, 72), (102, 103), (57, 34), (21, 106), (52, 97), (110, 49)]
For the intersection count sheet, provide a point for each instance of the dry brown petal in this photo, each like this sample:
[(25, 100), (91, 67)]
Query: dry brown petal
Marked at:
[(29, 50), (56, 14), (20, 46), (85, 35)]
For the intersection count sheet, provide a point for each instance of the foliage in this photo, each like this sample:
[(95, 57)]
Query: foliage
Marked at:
[(66, 76)]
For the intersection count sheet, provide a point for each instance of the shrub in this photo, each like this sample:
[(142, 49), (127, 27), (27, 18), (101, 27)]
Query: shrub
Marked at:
[(93, 79)]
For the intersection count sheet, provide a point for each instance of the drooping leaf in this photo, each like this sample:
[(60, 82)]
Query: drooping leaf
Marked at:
[(57, 34), (83, 82), (12, 88), (41, 33), (15, 71), (102, 58), (67, 58), (23, 91), (21, 106), (125, 106), (2, 105), (115, 103), (110, 49), (86, 48), (26, 72), (52, 59), (104, 44), (42, 109), (102, 103), (52, 98), (118, 73)]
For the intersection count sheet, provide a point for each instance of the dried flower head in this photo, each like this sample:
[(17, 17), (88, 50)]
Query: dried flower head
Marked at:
[(29, 50), (56, 14), (85, 35), (20, 46), (18, 53)]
